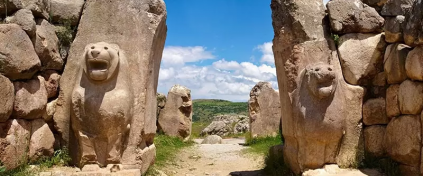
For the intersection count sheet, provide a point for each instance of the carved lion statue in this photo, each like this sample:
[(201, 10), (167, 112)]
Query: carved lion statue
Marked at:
[(318, 117), (102, 104)]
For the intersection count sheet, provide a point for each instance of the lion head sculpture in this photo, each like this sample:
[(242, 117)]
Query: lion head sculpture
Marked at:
[(101, 61), (321, 80)]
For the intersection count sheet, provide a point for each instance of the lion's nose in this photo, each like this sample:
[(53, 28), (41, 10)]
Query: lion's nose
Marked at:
[(95, 53)]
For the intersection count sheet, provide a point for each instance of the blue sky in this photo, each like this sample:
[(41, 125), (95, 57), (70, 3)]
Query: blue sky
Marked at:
[(218, 48)]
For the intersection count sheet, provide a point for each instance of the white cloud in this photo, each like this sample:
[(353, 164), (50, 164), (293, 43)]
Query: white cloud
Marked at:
[(225, 65), (223, 79), (177, 55), (266, 50)]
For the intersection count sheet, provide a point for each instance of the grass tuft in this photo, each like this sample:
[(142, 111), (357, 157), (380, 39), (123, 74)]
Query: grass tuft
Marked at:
[(261, 145), (167, 148)]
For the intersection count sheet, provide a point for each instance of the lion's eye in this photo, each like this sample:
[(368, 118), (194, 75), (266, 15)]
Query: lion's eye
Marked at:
[(317, 69), (106, 48), (92, 47), (330, 69)]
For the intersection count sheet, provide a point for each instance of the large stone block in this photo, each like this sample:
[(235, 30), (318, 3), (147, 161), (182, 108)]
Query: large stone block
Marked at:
[(395, 57), (17, 55), (25, 20), (39, 8), (393, 28), (264, 110), (352, 16), (47, 46), (52, 83), (14, 137), (66, 11), (374, 112), (7, 94), (403, 139), (138, 29), (377, 4), (175, 118), (410, 97), (392, 103), (413, 33), (361, 56), (414, 64), (42, 140), (30, 99), (397, 7), (373, 140)]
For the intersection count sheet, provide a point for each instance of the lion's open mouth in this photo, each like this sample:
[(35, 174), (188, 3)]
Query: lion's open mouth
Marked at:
[(98, 68)]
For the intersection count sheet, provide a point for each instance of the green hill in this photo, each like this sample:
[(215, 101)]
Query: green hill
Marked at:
[(206, 109)]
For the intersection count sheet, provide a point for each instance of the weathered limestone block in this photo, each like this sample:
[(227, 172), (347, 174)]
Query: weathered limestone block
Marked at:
[(25, 20), (410, 97), (361, 56), (175, 118), (142, 45), (7, 94), (49, 111), (413, 33), (414, 64), (377, 4), (396, 7), (392, 103), (47, 46), (52, 83), (394, 64), (334, 169), (405, 150), (374, 112), (393, 28), (212, 139), (149, 156), (379, 79), (30, 99), (66, 11), (17, 55), (38, 7), (373, 140), (42, 140), (352, 16), (102, 92), (264, 110), (300, 42), (14, 137)]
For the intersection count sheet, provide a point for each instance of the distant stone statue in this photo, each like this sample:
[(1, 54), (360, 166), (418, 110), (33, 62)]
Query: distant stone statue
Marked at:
[(102, 105), (319, 117)]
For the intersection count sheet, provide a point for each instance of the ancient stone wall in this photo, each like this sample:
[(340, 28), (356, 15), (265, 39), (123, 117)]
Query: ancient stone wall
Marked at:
[(54, 80), (370, 45), (32, 58)]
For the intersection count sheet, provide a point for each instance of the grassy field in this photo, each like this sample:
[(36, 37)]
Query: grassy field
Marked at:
[(205, 110)]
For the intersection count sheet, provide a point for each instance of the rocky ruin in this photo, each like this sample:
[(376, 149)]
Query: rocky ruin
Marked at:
[(228, 124), (326, 58), (175, 119), (264, 110)]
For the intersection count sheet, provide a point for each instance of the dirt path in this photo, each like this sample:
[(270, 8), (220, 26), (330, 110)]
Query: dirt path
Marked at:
[(216, 160)]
